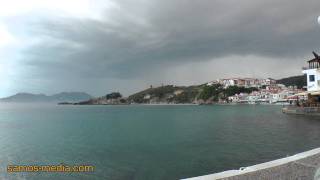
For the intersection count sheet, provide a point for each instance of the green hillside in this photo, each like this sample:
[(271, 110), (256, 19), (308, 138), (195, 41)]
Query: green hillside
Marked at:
[(298, 81)]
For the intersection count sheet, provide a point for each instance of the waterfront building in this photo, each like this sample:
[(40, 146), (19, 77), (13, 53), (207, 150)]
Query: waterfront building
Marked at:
[(234, 98), (311, 104), (281, 96), (313, 73)]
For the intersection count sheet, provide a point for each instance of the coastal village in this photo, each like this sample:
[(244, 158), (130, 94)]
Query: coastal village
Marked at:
[(250, 91), (229, 91), (268, 91)]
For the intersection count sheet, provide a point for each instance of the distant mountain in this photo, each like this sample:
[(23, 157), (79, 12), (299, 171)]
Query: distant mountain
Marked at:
[(71, 97), (298, 81), (25, 97), (60, 97)]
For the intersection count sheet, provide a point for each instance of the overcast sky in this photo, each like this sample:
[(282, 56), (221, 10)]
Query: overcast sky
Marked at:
[(99, 46)]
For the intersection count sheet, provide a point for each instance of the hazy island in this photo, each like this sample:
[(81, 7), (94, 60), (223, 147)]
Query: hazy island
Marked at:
[(70, 97)]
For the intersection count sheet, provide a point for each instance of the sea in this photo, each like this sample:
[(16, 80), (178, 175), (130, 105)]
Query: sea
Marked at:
[(144, 142)]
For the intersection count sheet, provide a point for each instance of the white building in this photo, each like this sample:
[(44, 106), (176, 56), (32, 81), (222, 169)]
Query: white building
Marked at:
[(212, 83), (270, 81), (280, 96), (243, 82), (227, 82), (313, 73), (147, 96)]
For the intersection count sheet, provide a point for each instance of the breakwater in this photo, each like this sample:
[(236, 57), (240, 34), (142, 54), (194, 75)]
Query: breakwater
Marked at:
[(300, 166)]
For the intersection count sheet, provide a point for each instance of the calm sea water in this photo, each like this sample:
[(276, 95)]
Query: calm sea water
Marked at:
[(149, 142)]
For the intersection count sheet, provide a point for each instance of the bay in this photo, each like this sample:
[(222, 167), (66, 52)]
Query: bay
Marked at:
[(149, 142)]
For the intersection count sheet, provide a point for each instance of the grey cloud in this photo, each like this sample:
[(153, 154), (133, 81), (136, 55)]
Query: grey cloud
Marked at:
[(141, 38)]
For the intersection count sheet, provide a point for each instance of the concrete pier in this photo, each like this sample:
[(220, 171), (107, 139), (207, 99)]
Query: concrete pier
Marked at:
[(302, 166), (313, 111)]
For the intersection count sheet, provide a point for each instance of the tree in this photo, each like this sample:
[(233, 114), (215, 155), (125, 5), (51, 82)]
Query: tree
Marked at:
[(211, 91), (113, 95), (232, 90)]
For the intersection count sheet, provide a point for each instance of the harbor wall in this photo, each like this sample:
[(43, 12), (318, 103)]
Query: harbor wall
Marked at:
[(302, 166)]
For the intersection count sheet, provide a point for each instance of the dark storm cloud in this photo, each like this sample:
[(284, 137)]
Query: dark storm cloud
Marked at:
[(137, 38)]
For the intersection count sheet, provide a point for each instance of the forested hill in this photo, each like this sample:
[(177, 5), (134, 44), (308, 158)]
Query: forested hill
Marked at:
[(166, 94), (298, 81), (201, 94)]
